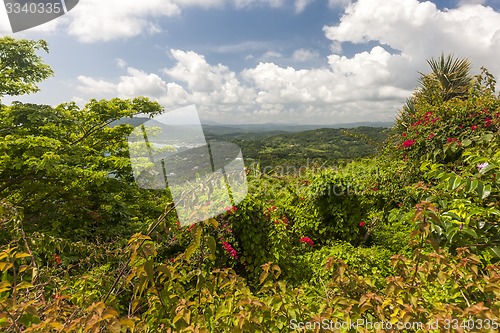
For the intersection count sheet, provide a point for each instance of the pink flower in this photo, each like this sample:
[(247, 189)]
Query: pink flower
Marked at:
[(231, 210), (409, 143), (229, 249), (307, 240), (361, 224)]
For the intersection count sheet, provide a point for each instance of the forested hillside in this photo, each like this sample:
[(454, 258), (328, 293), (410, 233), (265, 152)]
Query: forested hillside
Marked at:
[(325, 146), (404, 240)]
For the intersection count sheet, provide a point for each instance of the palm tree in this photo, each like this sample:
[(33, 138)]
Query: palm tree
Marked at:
[(450, 78)]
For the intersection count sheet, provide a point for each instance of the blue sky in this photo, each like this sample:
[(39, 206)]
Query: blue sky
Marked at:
[(259, 61)]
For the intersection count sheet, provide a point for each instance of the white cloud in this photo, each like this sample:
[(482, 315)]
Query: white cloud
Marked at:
[(269, 55), (121, 63), (420, 31), (93, 86), (138, 83), (302, 55), (368, 85), (97, 20), (300, 5)]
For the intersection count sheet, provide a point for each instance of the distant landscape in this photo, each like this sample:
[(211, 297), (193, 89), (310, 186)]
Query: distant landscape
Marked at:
[(397, 225), (299, 146)]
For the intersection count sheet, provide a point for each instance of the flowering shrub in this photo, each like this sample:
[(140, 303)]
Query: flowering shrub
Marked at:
[(307, 240), (229, 249), (411, 235)]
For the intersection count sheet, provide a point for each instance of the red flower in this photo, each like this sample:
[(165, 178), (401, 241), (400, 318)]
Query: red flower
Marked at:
[(417, 123), (450, 140), (474, 127), (431, 136), (231, 210), (307, 240), (229, 249), (57, 258), (375, 189), (404, 134), (408, 143), (361, 224), (487, 122)]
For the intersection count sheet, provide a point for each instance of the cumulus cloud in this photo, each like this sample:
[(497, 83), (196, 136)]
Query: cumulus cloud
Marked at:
[(419, 30), (368, 85), (138, 83), (93, 86), (96, 20)]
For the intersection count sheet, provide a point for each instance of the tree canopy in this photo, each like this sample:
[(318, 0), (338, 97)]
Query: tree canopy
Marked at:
[(20, 66)]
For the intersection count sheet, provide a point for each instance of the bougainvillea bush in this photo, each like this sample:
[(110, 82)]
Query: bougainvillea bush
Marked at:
[(408, 239)]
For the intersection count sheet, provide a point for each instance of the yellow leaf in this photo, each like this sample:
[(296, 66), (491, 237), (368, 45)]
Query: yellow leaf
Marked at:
[(24, 285)]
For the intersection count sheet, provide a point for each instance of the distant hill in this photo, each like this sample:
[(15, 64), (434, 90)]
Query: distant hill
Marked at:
[(274, 145), (324, 145)]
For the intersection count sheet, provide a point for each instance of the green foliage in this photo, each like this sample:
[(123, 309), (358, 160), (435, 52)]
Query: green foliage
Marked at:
[(287, 153), (69, 170), (450, 78), (408, 236), (20, 67)]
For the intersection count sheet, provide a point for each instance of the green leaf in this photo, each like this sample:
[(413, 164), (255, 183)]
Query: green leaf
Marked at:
[(466, 142), (24, 285), (494, 251), (148, 267), (450, 234), (487, 137), (483, 190), (471, 185), (4, 322), (487, 168), (470, 232), (454, 182), (195, 243), (211, 245)]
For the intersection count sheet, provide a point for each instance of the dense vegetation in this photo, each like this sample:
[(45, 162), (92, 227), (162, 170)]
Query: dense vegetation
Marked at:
[(291, 151), (409, 237)]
